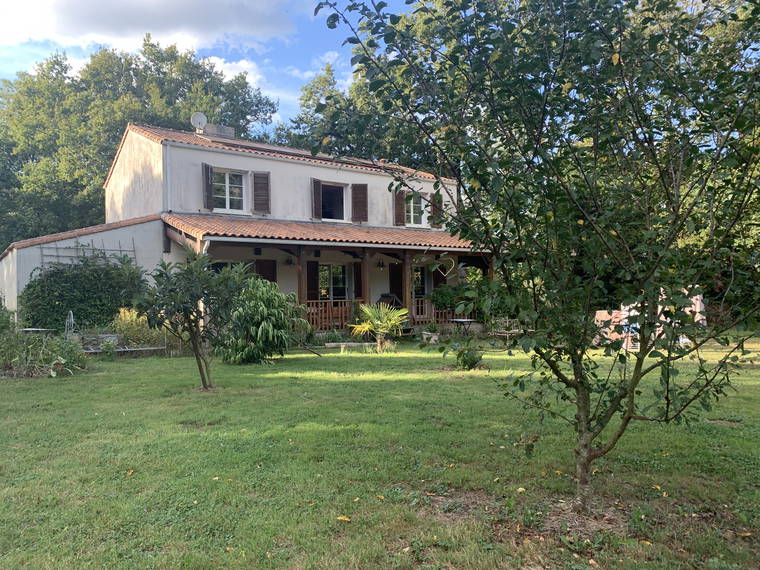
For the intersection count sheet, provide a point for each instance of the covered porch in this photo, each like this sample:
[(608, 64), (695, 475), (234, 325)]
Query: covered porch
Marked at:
[(333, 277)]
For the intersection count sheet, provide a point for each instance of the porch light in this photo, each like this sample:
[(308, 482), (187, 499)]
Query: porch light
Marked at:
[(381, 265)]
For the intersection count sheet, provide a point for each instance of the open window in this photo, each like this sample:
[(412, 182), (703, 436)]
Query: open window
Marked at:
[(333, 202)]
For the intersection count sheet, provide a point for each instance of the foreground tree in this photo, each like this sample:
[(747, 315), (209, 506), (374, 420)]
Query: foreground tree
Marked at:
[(193, 302), (589, 142)]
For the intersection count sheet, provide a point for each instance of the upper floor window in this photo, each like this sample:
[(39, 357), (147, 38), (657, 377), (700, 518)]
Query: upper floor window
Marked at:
[(332, 202), (228, 190), (414, 210)]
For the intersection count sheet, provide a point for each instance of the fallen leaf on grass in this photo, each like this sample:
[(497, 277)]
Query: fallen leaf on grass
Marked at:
[(215, 478), (381, 497), (344, 518), (521, 489), (130, 472), (745, 534), (656, 487), (645, 542), (356, 500)]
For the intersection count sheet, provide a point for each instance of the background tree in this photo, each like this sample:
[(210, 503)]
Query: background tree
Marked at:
[(193, 302), (588, 141), (59, 131)]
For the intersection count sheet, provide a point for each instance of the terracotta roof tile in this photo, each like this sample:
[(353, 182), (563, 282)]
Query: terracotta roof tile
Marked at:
[(50, 238), (203, 225), (160, 134)]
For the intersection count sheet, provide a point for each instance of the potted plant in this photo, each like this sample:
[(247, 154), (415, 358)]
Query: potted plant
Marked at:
[(431, 333)]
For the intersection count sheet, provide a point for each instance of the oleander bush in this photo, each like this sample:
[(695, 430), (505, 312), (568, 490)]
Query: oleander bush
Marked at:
[(263, 322)]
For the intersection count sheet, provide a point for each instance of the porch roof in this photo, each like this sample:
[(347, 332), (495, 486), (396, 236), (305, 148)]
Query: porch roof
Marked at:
[(205, 226)]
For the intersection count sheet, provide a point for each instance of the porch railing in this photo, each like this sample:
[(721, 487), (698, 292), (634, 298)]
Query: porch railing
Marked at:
[(325, 315), (423, 313)]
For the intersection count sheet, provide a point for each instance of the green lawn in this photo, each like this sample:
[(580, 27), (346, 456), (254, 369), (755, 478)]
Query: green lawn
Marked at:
[(129, 466)]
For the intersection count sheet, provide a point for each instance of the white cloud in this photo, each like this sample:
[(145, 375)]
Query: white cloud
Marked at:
[(190, 24), (330, 57), (232, 68), (300, 74)]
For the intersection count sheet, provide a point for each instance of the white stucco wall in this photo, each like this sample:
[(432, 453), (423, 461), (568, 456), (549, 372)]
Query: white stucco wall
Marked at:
[(17, 268), (8, 281), (290, 183), (135, 187)]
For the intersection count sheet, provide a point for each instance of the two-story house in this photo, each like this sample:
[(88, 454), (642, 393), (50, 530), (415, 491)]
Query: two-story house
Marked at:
[(327, 229)]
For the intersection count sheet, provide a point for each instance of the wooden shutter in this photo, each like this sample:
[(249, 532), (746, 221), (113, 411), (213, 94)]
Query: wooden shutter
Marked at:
[(312, 280), (267, 269), (399, 208), (316, 198), (359, 211), (436, 210), (261, 193), (208, 186)]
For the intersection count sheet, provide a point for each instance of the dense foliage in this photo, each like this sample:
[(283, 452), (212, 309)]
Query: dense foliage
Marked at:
[(594, 148), (93, 287), (59, 130), (6, 319), (262, 323), (25, 354), (192, 301)]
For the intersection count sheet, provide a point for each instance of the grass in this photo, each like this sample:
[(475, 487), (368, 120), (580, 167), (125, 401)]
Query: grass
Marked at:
[(129, 466)]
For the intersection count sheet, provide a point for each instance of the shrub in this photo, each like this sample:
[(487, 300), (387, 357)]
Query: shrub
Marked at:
[(445, 297), (262, 324), (6, 320), (23, 354), (93, 288), (133, 330), (469, 358)]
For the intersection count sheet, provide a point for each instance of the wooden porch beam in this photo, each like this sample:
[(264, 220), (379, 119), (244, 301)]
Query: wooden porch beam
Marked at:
[(301, 273), (184, 240), (406, 280), (366, 258)]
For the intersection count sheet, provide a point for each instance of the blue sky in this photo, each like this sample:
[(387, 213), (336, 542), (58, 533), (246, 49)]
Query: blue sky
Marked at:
[(279, 43)]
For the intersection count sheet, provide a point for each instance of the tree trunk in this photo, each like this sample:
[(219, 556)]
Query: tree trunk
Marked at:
[(583, 450), (583, 459), (201, 360), (380, 338)]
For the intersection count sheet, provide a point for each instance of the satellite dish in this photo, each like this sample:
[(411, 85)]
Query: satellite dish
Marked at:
[(198, 120)]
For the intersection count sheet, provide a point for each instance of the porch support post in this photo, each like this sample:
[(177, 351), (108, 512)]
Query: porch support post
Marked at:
[(366, 255), (406, 281), (301, 271), (489, 260)]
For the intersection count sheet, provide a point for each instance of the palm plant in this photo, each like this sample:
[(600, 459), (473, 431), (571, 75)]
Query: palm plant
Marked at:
[(379, 320)]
